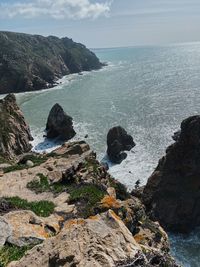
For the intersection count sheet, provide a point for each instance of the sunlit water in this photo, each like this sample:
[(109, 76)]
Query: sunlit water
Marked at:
[(148, 91)]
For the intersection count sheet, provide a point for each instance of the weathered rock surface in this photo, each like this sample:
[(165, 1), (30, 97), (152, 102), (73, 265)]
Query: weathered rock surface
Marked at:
[(29, 229), (95, 222), (14, 132), (59, 124), (33, 62), (5, 232), (99, 241), (172, 194), (118, 141)]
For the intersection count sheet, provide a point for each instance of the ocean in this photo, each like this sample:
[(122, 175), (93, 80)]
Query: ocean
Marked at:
[(146, 90)]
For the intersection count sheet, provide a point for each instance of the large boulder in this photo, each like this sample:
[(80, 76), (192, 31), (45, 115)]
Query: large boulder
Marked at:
[(59, 124), (101, 240), (14, 132), (118, 141), (172, 193)]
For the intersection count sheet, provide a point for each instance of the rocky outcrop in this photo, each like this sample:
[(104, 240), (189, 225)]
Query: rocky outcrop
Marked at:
[(118, 141), (15, 134), (59, 124), (94, 220), (172, 194), (25, 228), (33, 62), (102, 240)]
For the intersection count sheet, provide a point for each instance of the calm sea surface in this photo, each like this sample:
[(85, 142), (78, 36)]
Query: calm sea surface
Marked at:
[(148, 91)]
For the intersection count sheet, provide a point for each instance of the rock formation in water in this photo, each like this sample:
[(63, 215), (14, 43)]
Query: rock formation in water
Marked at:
[(15, 134), (33, 62), (59, 124), (118, 141), (172, 193)]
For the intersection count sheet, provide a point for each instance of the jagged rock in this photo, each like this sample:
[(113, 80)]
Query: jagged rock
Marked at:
[(59, 124), (118, 141), (29, 229), (102, 240), (172, 194), (14, 132)]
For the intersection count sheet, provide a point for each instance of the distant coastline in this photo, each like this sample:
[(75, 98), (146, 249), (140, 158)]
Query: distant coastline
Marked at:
[(33, 62)]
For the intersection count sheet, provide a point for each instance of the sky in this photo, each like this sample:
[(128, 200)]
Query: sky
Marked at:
[(105, 23)]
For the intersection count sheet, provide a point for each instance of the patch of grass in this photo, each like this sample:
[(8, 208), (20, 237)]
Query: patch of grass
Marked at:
[(41, 208), (10, 253), (36, 159), (121, 190), (3, 160), (89, 195), (14, 168), (39, 186)]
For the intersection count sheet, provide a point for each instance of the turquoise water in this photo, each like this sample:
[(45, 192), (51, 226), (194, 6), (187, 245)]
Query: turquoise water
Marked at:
[(148, 91)]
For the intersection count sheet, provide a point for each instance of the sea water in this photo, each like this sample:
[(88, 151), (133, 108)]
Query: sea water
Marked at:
[(146, 90)]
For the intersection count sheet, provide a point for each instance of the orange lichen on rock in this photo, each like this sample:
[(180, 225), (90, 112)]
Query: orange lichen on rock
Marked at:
[(115, 215), (71, 223), (110, 202), (139, 238)]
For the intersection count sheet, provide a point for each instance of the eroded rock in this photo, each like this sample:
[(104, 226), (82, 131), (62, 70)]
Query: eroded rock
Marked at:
[(118, 141), (172, 193), (59, 124), (15, 134), (102, 240), (29, 229)]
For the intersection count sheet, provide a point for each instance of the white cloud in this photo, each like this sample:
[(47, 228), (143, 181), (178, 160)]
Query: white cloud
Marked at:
[(58, 9)]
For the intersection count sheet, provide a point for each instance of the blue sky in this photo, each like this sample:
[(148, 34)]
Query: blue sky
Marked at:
[(106, 23)]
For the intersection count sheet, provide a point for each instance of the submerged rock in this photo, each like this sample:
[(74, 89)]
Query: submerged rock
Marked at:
[(118, 141), (59, 124), (14, 132), (172, 193)]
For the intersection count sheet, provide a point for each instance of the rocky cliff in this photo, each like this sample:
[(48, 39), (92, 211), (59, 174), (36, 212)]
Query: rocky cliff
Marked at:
[(32, 62), (172, 193), (15, 134), (66, 210)]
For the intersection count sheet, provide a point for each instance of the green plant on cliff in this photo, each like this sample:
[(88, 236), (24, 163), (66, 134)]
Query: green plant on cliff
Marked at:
[(10, 253), (87, 195), (41, 208), (39, 186), (36, 159)]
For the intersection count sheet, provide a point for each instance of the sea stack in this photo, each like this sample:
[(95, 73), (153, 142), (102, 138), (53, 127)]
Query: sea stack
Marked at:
[(59, 124), (118, 141), (172, 193)]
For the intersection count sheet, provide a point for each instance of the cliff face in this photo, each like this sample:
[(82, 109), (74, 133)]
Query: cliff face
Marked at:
[(172, 193), (14, 132), (33, 62)]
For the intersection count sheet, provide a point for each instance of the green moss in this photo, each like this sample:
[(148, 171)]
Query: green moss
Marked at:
[(14, 168), (39, 186), (10, 253), (37, 160), (40, 208), (89, 195), (3, 160)]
